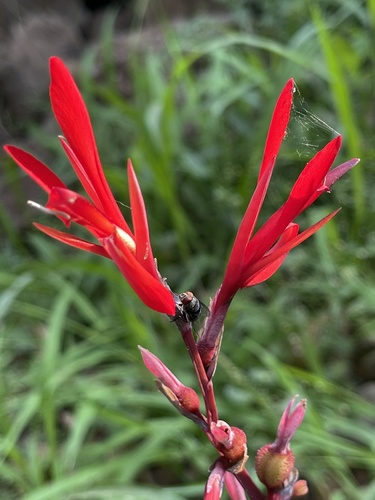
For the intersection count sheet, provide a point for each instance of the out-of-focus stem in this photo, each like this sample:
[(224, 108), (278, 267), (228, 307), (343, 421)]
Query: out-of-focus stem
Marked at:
[(249, 486)]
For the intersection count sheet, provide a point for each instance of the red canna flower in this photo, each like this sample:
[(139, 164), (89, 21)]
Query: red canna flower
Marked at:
[(100, 215), (256, 257)]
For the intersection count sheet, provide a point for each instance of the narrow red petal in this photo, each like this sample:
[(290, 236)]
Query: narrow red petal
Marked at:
[(72, 240), (81, 173), (314, 173), (85, 179), (81, 211), (265, 273), (332, 177), (140, 224), (233, 274), (268, 271), (149, 289), (273, 256), (303, 191), (337, 172), (278, 126), (73, 118), (37, 170)]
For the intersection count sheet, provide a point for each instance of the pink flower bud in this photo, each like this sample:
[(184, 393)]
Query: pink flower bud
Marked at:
[(230, 442), (184, 398), (289, 423)]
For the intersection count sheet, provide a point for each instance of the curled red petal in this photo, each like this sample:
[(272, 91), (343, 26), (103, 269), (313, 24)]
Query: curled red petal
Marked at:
[(72, 240), (72, 115), (81, 211), (149, 289), (37, 170)]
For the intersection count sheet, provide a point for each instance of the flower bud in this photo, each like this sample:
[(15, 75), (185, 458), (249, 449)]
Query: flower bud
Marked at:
[(230, 442), (300, 488), (184, 398), (274, 462), (273, 467), (189, 399)]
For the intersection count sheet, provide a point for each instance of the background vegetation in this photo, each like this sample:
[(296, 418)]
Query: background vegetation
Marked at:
[(80, 415)]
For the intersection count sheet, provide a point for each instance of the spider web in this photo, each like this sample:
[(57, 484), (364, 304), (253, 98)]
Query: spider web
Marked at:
[(307, 133)]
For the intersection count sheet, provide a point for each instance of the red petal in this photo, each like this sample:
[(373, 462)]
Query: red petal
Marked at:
[(140, 224), (278, 125), (81, 173), (313, 175), (73, 118), (72, 240), (270, 269), (89, 188), (233, 274), (81, 211), (332, 177), (149, 289), (273, 256), (310, 179), (37, 170)]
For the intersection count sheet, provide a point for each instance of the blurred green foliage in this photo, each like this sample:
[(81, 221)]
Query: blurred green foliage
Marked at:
[(80, 415)]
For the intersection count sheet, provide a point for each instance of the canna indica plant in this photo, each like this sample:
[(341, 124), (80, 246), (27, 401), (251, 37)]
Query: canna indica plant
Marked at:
[(256, 255)]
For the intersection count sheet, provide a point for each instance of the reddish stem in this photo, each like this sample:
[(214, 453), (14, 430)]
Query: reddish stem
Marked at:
[(249, 486), (205, 384)]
